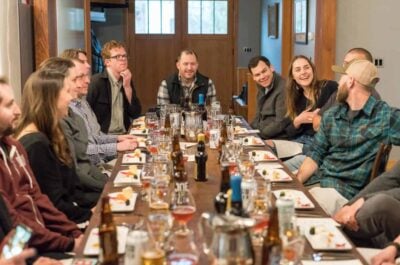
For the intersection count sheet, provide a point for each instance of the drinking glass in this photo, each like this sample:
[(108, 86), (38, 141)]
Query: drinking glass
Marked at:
[(259, 210), (292, 249), (182, 207), (159, 224), (151, 120), (182, 249), (159, 192), (152, 253), (146, 178), (164, 144)]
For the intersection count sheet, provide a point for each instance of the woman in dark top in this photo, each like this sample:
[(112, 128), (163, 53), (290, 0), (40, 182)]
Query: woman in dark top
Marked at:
[(305, 95), (44, 103)]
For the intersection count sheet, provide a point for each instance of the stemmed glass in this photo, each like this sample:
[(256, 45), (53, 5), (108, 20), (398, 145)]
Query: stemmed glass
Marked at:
[(182, 207), (151, 120)]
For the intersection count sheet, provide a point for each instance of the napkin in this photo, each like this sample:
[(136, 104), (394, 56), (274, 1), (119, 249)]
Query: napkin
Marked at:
[(332, 262)]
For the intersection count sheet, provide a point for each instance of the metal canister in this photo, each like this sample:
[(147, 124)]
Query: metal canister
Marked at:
[(135, 243), (286, 214)]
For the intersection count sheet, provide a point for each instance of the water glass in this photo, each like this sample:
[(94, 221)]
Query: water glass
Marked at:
[(151, 120)]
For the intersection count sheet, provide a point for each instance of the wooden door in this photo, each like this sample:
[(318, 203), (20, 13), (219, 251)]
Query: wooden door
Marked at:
[(152, 56)]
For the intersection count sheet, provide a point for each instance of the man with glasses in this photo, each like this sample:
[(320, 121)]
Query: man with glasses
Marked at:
[(111, 94)]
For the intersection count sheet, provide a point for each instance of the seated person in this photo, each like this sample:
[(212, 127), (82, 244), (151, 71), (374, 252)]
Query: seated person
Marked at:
[(111, 94), (369, 218), (305, 95), (352, 54), (270, 114), (187, 84), (344, 149), (101, 147), (26, 204), (44, 103)]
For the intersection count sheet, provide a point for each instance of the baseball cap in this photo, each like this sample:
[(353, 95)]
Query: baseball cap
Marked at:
[(363, 71)]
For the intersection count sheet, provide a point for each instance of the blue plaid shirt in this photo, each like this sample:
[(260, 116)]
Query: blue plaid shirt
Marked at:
[(345, 149)]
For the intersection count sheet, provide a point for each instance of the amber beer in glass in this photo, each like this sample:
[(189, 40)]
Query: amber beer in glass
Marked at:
[(153, 257), (108, 235)]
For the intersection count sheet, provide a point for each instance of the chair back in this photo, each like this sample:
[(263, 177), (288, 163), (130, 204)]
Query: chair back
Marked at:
[(381, 160)]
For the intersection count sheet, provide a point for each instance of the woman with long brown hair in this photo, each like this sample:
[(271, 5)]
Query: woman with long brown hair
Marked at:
[(305, 95), (45, 102)]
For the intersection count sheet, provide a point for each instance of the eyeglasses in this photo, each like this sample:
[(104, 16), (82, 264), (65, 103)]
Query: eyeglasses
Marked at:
[(120, 57)]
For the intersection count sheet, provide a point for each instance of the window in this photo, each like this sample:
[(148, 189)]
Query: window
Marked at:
[(207, 16), (155, 16)]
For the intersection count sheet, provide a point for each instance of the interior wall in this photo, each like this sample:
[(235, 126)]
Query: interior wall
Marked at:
[(376, 27), (10, 56), (309, 48), (271, 47), (249, 25)]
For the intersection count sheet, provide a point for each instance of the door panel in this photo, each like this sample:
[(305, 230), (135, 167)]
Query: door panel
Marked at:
[(153, 56)]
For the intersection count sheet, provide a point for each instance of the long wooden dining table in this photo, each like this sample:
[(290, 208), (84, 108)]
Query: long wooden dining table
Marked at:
[(204, 194)]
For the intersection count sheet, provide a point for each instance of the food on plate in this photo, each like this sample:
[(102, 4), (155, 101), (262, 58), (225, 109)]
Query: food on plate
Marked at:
[(131, 172), (326, 237)]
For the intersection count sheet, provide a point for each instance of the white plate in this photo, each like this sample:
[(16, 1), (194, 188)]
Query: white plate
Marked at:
[(274, 175), (252, 141), (138, 121), (142, 131), (131, 158), (301, 201), (141, 141), (326, 237), (126, 177), (240, 130), (92, 246), (262, 155), (118, 205)]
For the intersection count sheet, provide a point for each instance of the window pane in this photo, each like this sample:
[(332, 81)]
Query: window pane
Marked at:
[(207, 17), (221, 17), (154, 17), (168, 17), (194, 25), (141, 17)]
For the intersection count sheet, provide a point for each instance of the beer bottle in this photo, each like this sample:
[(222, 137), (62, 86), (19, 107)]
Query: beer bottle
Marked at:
[(167, 123), (176, 153), (222, 140), (272, 245), (201, 158), (108, 235), (221, 200)]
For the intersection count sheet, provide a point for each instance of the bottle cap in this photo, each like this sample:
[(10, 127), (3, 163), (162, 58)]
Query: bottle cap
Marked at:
[(201, 137)]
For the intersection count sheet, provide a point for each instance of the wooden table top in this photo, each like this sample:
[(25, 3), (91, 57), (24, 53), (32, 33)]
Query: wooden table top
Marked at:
[(204, 194)]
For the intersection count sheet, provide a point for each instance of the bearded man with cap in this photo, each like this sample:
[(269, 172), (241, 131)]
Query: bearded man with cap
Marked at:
[(339, 163)]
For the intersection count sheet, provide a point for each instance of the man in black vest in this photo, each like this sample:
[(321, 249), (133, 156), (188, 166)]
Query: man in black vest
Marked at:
[(187, 84)]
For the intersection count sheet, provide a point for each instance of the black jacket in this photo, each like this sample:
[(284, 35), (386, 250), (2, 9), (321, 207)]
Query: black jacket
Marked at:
[(175, 90), (99, 98)]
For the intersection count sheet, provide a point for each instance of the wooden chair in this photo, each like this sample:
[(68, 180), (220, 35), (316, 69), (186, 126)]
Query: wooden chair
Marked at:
[(381, 160)]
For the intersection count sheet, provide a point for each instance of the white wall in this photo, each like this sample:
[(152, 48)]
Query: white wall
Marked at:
[(374, 25), (9, 45)]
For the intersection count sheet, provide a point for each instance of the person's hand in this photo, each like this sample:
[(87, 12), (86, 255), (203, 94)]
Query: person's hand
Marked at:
[(20, 258), (305, 117), (47, 261), (347, 215), (316, 121), (126, 145), (386, 256), (78, 241), (126, 78), (123, 137)]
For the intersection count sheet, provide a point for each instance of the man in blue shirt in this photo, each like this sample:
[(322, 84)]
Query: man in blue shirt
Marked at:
[(341, 157)]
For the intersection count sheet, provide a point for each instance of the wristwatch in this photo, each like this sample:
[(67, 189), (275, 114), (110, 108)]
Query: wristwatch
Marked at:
[(397, 246)]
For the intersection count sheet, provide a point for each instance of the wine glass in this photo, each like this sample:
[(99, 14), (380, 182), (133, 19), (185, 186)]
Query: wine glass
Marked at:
[(151, 120), (182, 207)]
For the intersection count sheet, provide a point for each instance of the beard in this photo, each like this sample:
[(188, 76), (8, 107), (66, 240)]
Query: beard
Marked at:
[(8, 131), (343, 94)]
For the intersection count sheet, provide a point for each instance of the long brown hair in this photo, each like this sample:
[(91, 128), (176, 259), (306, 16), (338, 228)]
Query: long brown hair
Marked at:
[(294, 91), (39, 106)]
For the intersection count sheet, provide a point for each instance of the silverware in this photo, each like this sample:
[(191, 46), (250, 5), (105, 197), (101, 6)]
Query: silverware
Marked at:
[(321, 256)]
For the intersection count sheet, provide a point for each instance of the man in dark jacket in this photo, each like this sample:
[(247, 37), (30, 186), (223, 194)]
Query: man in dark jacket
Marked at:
[(52, 231), (187, 84), (111, 94), (270, 115)]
